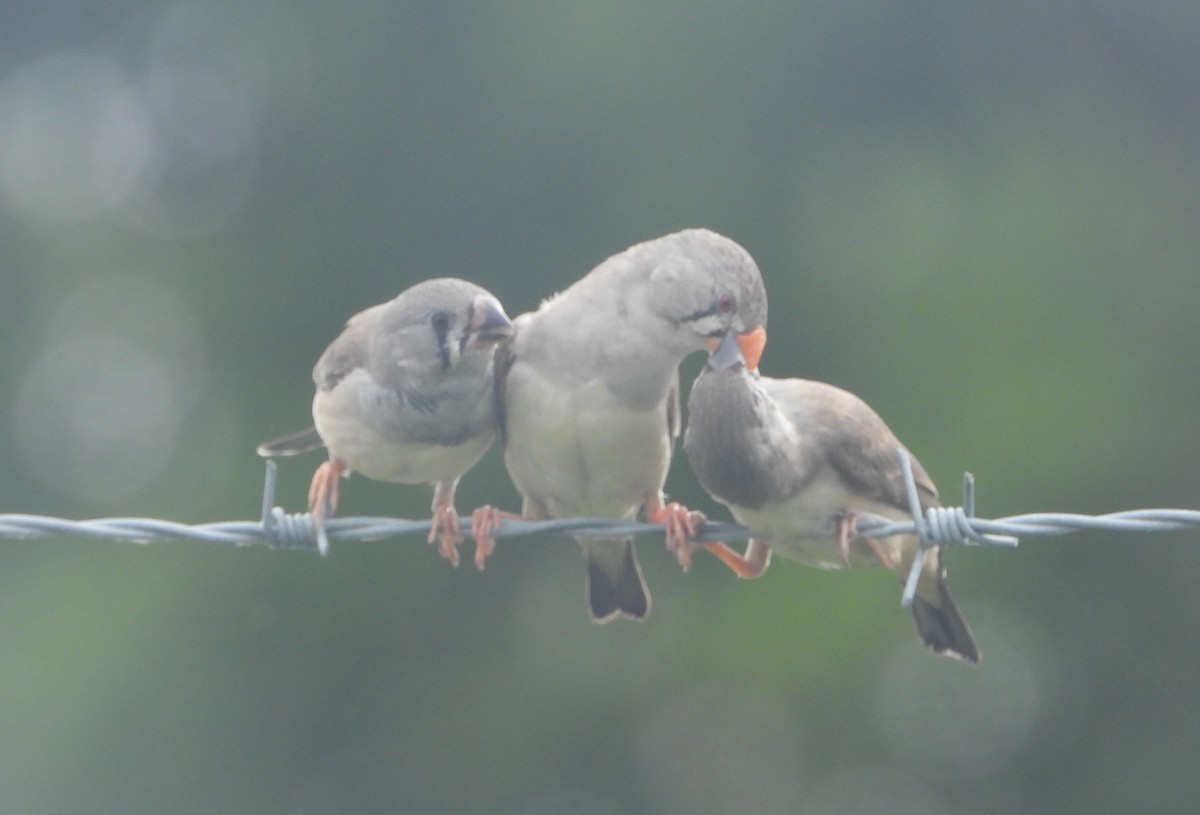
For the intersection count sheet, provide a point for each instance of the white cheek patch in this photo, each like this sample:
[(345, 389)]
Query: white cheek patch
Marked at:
[(708, 325)]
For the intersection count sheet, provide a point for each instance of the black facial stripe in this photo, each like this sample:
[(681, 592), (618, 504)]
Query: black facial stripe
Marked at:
[(441, 327), (708, 325), (466, 335), (699, 315)]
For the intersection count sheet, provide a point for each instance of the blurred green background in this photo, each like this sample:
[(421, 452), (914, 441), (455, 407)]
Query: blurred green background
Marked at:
[(980, 217)]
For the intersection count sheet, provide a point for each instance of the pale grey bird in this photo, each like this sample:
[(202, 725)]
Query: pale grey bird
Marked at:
[(406, 394), (589, 394), (796, 461)]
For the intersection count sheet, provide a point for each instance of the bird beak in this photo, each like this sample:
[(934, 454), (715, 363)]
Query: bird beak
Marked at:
[(489, 324), (725, 352), (752, 343), (733, 348)]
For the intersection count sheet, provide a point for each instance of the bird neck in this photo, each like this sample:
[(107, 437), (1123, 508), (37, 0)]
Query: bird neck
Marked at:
[(736, 440)]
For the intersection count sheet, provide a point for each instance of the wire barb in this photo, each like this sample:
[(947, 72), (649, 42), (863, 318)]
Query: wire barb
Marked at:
[(936, 526), (277, 529)]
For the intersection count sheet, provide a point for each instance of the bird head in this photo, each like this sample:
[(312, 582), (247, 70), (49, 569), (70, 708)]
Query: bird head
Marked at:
[(708, 286), (434, 326)]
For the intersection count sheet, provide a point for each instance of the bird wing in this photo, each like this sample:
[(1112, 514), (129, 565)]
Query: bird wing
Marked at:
[(858, 443), (348, 351)]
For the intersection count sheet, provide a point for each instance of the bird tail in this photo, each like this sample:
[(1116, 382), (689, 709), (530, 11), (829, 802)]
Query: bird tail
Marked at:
[(941, 625), (292, 444), (615, 586)]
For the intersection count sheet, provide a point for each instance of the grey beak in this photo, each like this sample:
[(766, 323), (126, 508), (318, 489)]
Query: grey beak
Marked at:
[(727, 354), (489, 324)]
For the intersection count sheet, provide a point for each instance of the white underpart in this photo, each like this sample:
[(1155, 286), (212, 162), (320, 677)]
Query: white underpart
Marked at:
[(338, 417), (580, 452)]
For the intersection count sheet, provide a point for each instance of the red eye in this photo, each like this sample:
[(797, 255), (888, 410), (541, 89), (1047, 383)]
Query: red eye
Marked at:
[(726, 303)]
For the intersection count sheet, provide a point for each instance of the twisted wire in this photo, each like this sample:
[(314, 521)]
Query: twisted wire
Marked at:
[(277, 529)]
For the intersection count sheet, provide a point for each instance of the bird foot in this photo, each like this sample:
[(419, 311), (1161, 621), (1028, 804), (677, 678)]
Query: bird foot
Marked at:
[(748, 566), (484, 522), (682, 525), (323, 498), (446, 530), (846, 527), (323, 491), (880, 552)]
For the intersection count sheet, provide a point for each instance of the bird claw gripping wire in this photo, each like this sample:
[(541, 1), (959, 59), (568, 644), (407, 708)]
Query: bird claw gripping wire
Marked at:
[(941, 526), (937, 526)]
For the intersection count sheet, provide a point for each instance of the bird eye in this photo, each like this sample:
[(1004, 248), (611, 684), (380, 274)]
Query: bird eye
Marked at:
[(441, 323), (726, 303)]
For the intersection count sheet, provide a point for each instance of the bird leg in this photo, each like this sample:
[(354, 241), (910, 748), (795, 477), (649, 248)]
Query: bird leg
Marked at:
[(884, 556), (323, 497), (847, 528), (484, 522), (323, 492), (681, 525), (445, 527), (752, 564)]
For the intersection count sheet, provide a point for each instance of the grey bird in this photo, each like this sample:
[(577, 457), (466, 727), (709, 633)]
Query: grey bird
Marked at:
[(589, 394), (406, 394), (796, 461)]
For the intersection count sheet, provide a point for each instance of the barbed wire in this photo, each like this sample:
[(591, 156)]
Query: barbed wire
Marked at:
[(277, 529)]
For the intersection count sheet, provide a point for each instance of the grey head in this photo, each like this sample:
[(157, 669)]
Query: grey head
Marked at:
[(433, 331), (701, 285), (635, 317)]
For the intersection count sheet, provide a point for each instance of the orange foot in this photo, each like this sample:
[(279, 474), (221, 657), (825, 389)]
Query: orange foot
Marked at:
[(845, 527), (751, 565), (682, 526), (445, 527), (323, 497), (446, 530), (484, 523), (323, 491)]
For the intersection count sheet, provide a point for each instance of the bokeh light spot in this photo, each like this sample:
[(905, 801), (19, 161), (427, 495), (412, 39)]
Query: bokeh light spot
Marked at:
[(98, 413), (64, 152), (720, 748), (951, 721)]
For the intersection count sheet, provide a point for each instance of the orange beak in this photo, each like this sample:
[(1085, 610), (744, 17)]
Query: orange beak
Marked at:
[(751, 343)]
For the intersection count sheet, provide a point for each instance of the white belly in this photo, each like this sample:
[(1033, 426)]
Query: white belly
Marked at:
[(579, 452), (381, 457), (804, 528)]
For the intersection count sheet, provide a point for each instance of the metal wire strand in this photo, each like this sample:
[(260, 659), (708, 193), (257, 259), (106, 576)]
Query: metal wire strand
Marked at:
[(277, 529)]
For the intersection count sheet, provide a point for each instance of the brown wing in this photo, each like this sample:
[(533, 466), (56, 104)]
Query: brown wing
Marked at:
[(872, 465), (859, 445)]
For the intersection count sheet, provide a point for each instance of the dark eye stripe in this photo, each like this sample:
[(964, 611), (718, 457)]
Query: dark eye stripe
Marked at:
[(699, 315), (466, 335), (441, 328)]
